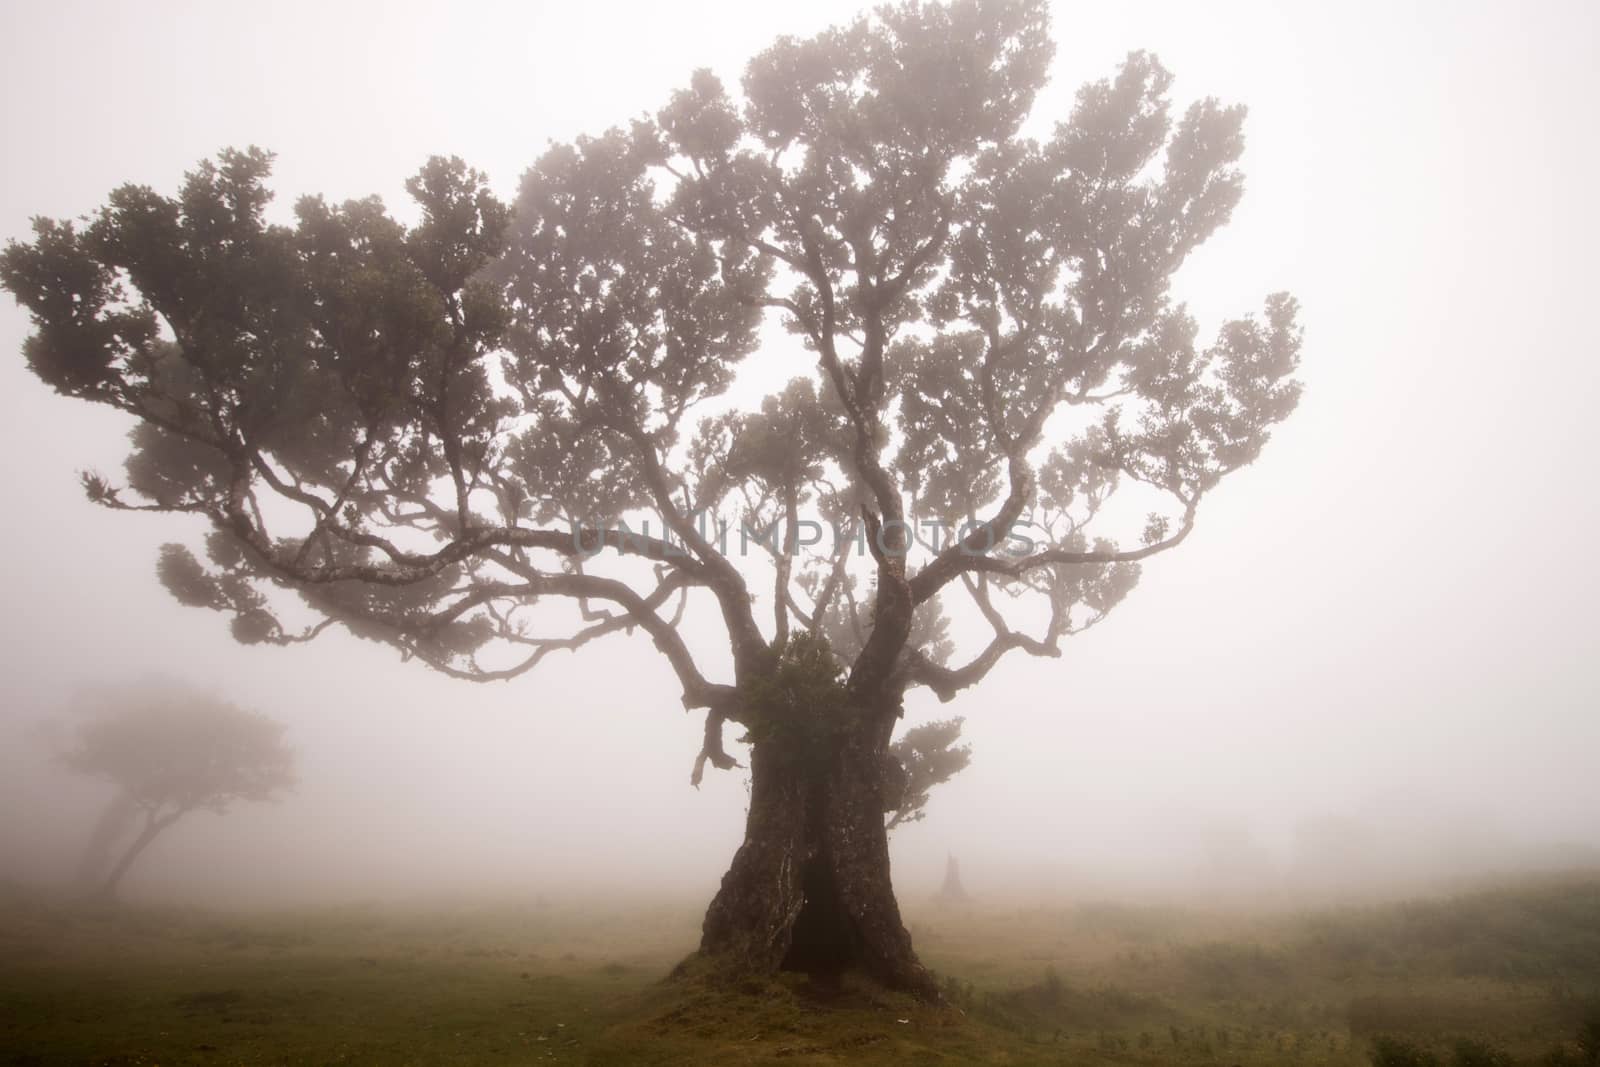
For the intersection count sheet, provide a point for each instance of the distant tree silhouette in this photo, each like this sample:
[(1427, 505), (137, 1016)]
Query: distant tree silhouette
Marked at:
[(450, 436), (952, 891), (169, 751)]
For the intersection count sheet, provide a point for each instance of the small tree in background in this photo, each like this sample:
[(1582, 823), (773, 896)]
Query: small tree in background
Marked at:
[(170, 751), (952, 891)]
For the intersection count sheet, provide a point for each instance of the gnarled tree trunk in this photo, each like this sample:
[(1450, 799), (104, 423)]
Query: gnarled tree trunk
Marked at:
[(809, 890)]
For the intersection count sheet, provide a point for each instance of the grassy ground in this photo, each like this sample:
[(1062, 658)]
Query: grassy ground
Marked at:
[(571, 983)]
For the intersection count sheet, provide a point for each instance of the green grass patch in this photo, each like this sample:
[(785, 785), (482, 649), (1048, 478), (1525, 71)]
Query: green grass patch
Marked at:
[(1509, 976)]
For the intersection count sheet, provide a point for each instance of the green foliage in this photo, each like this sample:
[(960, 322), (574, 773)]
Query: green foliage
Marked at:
[(1589, 1035), (1538, 932), (1225, 969), (169, 748), (399, 423), (1395, 1052), (1390, 1051), (511, 983), (1052, 989), (1473, 1052), (396, 421), (930, 756), (799, 707)]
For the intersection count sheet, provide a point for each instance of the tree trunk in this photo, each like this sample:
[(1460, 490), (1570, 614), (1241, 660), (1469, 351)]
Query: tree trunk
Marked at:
[(111, 827), (809, 890), (152, 827)]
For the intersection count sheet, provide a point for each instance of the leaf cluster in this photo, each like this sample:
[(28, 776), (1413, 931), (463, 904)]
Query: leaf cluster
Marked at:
[(172, 749)]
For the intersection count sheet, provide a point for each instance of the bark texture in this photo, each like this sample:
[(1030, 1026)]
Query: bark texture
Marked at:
[(809, 889)]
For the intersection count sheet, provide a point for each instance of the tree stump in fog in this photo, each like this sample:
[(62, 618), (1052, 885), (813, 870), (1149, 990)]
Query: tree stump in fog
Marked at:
[(952, 891)]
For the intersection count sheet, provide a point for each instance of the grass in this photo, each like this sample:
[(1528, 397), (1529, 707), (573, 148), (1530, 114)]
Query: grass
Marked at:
[(1514, 970)]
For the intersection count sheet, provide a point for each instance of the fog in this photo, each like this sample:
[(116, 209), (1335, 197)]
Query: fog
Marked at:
[(1372, 669)]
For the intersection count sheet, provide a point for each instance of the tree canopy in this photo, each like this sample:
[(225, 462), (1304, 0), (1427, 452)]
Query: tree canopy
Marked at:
[(169, 750), (500, 431)]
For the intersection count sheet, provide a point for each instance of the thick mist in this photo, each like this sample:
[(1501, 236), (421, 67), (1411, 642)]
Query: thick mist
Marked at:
[(1372, 670)]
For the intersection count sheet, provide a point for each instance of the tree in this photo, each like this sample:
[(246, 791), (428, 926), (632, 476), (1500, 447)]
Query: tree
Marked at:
[(169, 751), (928, 756), (497, 433), (951, 891)]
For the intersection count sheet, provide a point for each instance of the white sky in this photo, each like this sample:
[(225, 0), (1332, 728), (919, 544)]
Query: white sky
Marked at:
[(1391, 612)]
